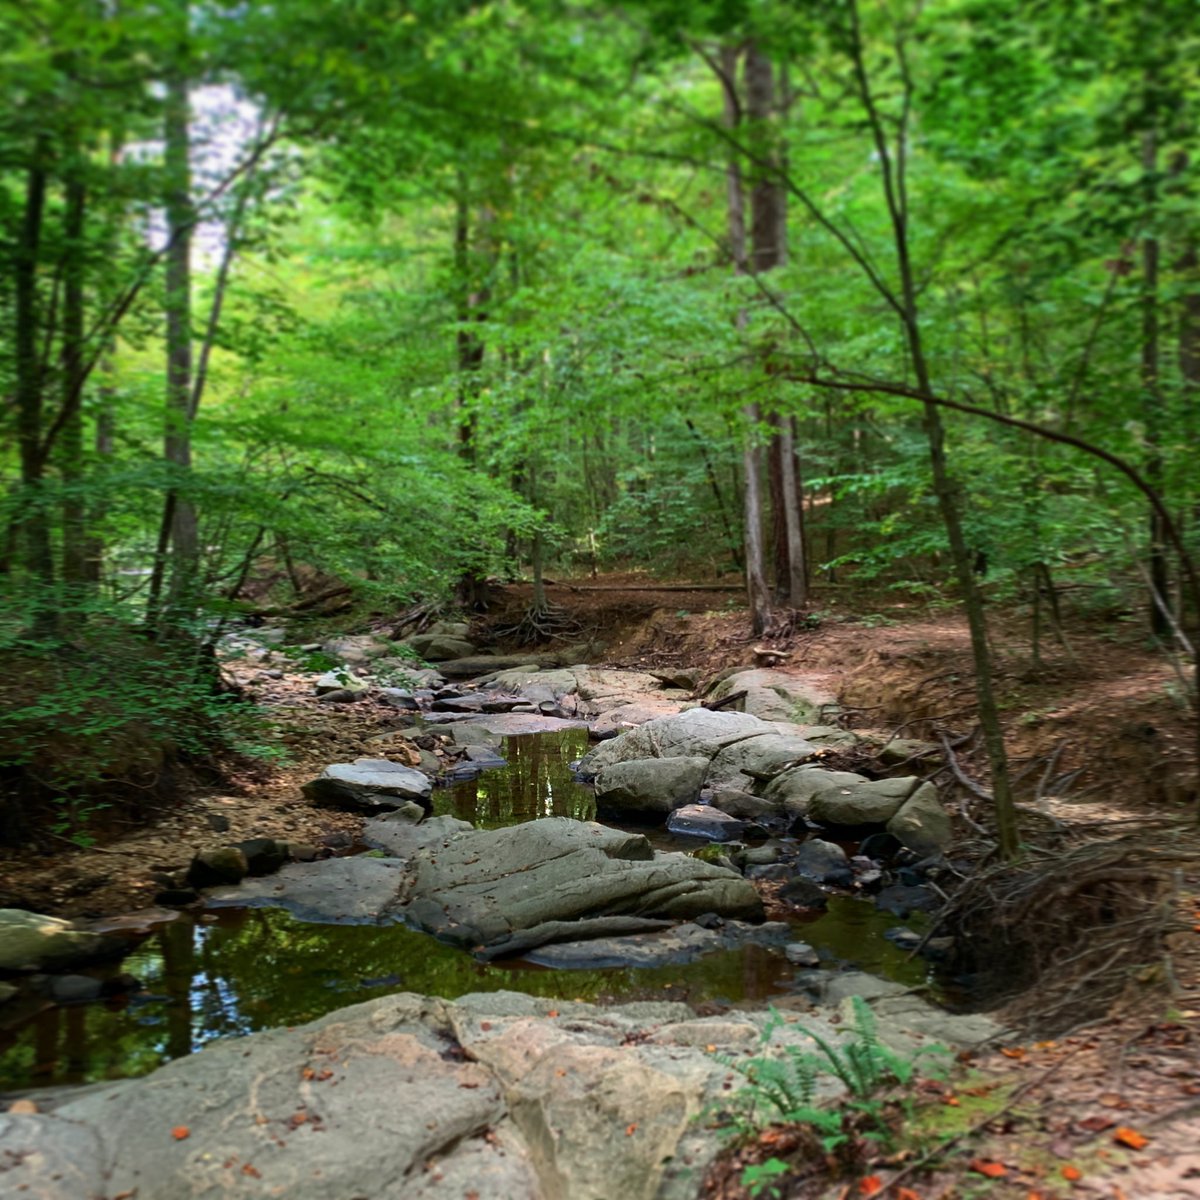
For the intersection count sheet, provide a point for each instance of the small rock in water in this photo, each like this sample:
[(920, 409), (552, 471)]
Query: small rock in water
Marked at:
[(802, 954), (264, 856), (906, 939), (699, 820), (212, 868), (803, 893), (902, 900), (823, 861)]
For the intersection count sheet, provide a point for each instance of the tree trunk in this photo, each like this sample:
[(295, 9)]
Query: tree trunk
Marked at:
[(179, 515), (37, 553), (75, 540), (1152, 393)]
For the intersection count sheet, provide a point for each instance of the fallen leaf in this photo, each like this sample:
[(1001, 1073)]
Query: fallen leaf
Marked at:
[(993, 1170), (251, 1170), (871, 1186), (23, 1106), (630, 1130), (308, 1073), (1111, 1100), (1130, 1137), (552, 1013), (1096, 1124), (1013, 1051), (180, 1132), (1072, 1174), (906, 1194), (710, 1049), (952, 1101)]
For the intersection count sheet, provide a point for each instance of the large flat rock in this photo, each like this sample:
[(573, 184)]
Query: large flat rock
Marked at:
[(524, 885), (498, 1095)]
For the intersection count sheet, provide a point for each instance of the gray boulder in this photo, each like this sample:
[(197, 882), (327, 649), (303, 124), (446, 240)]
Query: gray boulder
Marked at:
[(821, 861), (697, 732), (503, 891), (33, 942), (702, 820), (921, 823), (650, 787), (356, 650), (440, 647), (873, 802), (778, 696), (794, 790), (749, 807), (402, 837), (754, 761), (341, 679), (222, 865), (369, 784)]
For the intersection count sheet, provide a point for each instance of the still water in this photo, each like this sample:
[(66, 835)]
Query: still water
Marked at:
[(235, 971)]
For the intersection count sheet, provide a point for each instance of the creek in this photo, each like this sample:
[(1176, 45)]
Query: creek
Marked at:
[(231, 972)]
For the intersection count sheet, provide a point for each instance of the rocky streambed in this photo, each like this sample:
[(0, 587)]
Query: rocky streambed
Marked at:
[(501, 864)]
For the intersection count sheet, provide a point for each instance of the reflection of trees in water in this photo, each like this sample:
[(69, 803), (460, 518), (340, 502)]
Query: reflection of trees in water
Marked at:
[(536, 783)]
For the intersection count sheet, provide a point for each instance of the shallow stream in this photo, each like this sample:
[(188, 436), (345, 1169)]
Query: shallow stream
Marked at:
[(234, 971)]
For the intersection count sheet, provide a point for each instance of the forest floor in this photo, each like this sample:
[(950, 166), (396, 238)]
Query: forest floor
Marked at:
[(1097, 736)]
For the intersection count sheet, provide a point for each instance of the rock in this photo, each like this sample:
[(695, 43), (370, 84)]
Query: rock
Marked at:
[(473, 703), (649, 787), (340, 696), (458, 629), (902, 899), (900, 750), (438, 647), (507, 890), (480, 665), (483, 756), (873, 802), (264, 856), (402, 837), (399, 698), (802, 954), (756, 760), (793, 791), (778, 696), (343, 680), (759, 856), (803, 893), (686, 678), (356, 650), (629, 716), (70, 989), (695, 732), (302, 851), (408, 1097), (32, 942), (701, 820), (381, 785), (906, 939), (668, 947), (221, 865), (743, 804), (346, 891), (819, 861), (921, 823), (217, 822)]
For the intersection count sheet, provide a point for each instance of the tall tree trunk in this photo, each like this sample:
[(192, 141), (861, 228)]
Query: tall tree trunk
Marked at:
[(893, 167), (179, 514), (758, 595), (37, 554), (70, 450), (1152, 392)]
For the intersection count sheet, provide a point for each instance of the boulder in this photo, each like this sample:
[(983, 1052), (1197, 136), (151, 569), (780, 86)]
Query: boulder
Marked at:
[(356, 650), (749, 807), (821, 861), (793, 791), (803, 893), (872, 802), (503, 891), (221, 865), (755, 761), (702, 820), (686, 678), (369, 784), (439, 647), (341, 679), (778, 696), (264, 856), (628, 716), (402, 837), (650, 787), (33, 942), (921, 823), (696, 732)]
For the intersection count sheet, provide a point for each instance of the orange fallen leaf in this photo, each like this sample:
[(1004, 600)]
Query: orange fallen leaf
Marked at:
[(630, 1130), (1130, 1137), (872, 1185), (180, 1132), (952, 1101), (906, 1194), (251, 1170), (993, 1170), (710, 1049), (23, 1106), (1013, 1051), (307, 1073), (1072, 1174), (552, 1013)]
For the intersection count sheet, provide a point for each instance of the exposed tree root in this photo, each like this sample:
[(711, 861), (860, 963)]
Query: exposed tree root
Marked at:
[(1065, 931), (539, 625)]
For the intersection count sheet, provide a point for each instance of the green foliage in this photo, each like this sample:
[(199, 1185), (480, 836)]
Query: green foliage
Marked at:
[(785, 1088)]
